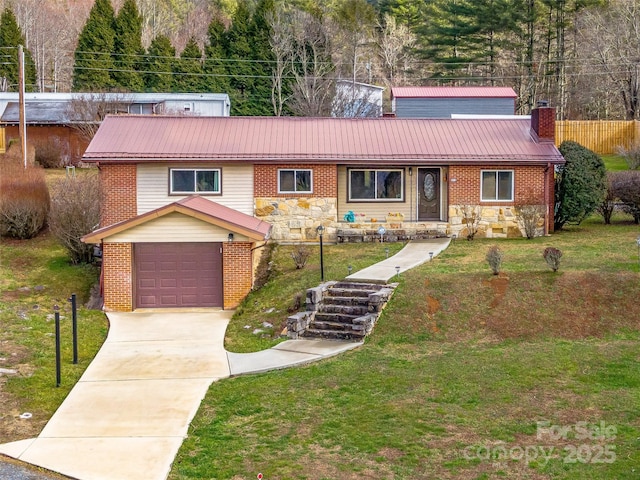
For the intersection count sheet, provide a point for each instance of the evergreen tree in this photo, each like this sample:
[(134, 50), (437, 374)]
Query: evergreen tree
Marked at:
[(128, 51), (10, 37), (158, 65), (237, 44), (451, 34), (581, 184), (262, 54), (188, 70), (215, 67), (93, 60)]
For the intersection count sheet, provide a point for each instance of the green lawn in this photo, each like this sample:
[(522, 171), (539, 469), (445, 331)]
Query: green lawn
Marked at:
[(456, 376), (615, 162)]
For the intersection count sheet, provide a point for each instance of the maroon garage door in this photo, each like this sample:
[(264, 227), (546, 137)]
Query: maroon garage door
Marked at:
[(178, 274)]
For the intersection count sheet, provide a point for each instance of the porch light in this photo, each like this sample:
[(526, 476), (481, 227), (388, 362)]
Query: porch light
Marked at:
[(230, 237)]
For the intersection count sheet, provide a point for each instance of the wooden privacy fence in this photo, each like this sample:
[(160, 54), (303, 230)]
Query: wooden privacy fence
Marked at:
[(602, 136)]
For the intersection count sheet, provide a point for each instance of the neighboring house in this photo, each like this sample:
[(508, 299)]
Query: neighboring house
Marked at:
[(173, 182), (53, 119), (355, 99), (443, 102)]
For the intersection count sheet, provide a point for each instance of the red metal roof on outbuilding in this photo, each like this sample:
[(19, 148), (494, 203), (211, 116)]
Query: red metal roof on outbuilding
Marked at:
[(453, 92), (140, 138)]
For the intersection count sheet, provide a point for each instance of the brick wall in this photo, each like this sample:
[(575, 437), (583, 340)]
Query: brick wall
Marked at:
[(325, 180), (119, 186), (464, 184), (237, 272), (117, 277)]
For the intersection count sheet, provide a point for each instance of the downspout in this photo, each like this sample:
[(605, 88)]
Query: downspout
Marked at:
[(547, 214)]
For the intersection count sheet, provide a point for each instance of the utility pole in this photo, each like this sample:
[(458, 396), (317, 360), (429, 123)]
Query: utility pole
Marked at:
[(22, 129)]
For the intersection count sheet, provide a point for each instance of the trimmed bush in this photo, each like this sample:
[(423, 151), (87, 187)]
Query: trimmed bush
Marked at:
[(552, 256), (49, 154), (24, 200), (626, 187), (494, 259), (75, 211)]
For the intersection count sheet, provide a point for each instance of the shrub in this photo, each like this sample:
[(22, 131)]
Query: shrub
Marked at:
[(75, 211), (471, 216), (49, 154), (529, 217), (608, 205), (24, 200), (552, 257), (300, 255), (494, 258), (265, 269), (581, 184), (626, 187), (631, 155)]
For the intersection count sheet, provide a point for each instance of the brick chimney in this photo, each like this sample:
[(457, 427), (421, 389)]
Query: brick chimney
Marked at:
[(543, 122)]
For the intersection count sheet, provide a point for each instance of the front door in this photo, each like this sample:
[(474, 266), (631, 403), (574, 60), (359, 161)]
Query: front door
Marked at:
[(428, 194)]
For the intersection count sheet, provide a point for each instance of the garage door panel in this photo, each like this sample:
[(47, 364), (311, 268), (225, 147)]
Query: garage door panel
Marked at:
[(178, 274)]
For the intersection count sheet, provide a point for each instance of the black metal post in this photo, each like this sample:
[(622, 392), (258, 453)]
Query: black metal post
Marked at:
[(58, 368), (321, 260), (74, 327)]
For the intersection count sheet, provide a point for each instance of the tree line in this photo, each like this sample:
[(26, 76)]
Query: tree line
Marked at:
[(277, 57)]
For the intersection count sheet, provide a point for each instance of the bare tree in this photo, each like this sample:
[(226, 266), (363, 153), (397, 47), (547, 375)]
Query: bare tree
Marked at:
[(395, 42), (86, 111), (281, 42), (613, 33), (311, 67)]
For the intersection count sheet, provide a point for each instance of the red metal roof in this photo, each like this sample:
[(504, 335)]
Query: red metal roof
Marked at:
[(453, 92), (197, 207), (140, 138)]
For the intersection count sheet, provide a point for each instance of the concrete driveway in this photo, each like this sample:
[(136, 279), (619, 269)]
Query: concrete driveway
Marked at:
[(129, 413)]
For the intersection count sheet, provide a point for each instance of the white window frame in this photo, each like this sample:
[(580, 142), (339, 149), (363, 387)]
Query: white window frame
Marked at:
[(375, 188), (495, 193), (295, 172), (195, 170)]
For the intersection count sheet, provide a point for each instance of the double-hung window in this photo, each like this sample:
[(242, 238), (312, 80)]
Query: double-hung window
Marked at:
[(497, 185), (195, 180), (295, 181), (369, 185)]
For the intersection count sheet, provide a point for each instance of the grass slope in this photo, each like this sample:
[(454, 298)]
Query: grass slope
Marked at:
[(455, 378)]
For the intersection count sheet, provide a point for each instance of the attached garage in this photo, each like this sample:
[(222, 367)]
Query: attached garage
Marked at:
[(188, 254), (178, 275)]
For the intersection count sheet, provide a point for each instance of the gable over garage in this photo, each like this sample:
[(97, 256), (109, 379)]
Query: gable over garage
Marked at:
[(191, 253)]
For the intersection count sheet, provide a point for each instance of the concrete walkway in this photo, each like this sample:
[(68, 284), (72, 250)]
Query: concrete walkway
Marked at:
[(129, 413), (413, 254)]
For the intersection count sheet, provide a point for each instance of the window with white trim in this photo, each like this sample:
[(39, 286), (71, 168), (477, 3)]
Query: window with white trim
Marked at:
[(496, 185), (377, 185), (295, 181), (195, 180)]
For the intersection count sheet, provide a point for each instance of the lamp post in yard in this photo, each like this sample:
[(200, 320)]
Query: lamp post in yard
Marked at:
[(320, 231)]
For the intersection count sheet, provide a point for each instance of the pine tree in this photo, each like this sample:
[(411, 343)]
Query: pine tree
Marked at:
[(262, 54), (237, 44), (215, 67), (158, 65), (10, 37), (93, 60), (188, 70), (128, 51)]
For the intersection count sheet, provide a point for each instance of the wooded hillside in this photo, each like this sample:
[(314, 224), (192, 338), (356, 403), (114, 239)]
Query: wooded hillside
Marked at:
[(276, 57)]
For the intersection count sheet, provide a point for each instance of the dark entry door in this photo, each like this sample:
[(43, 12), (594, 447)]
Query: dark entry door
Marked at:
[(428, 194), (178, 275)]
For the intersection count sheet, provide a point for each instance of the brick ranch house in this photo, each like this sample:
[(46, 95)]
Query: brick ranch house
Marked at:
[(179, 188)]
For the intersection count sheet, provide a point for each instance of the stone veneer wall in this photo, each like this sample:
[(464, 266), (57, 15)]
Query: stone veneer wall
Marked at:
[(496, 222), (296, 219)]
